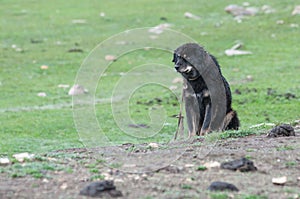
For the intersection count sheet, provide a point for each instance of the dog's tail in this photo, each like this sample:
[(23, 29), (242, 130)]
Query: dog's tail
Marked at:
[(231, 121)]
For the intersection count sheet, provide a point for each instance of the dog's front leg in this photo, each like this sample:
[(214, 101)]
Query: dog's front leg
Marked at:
[(192, 114), (207, 119)]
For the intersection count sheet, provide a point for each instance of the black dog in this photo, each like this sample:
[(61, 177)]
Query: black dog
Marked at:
[(188, 58)]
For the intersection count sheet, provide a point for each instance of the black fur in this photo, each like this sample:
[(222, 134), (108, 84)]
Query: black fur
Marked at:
[(201, 90)]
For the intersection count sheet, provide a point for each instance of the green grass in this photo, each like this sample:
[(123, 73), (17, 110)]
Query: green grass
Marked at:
[(34, 169), (26, 126), (218, 196)]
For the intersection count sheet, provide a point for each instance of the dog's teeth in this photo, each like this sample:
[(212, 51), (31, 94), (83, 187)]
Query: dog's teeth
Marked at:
[(188, 69)]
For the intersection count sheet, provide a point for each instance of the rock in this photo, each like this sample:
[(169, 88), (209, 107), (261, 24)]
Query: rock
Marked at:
[(242, 165), (79, 21), (4, 161), (232, 52), (22, 156), (102, 14), (236, 10), (77, 90), (153, 145), (172, 169), (189, 165), (279, 181), (44, 67), (282, 130), (267, 9), (294, 25), (212, 164), (101, 189), (42, 94), (63, 86), (191, 16), (296, 10), (110, 58), (222, 186), (159, 28), (64, 186)]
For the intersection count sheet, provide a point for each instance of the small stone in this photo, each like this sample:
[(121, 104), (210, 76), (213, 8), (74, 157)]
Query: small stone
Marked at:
[(172, 169), (110, 58), (77, 90), (19, 50), (267, 9), (191, 16), (279, 181), (44, 67), (63, 86), (45, 180), (236, 10), (242, 165), (22, 156), (296, 10), (42, 94), (189, 165), (129, 165), (78, 21), (222, 186), (249, 78), (100, 189), (102, 14), (294, 25), (153, 145), (214, 164), (159, 28), (64, 186), (279, 22), (4, 161), (232, 52)]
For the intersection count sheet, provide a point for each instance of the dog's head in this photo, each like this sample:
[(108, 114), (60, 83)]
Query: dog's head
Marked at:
[(186, 69)]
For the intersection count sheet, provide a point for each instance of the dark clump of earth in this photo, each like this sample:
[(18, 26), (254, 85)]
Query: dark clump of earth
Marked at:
[(282, 130), (222, 186), (287, 95), (99, 189), (243, 165)]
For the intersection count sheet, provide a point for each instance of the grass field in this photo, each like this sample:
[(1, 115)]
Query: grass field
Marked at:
[(36, 33)]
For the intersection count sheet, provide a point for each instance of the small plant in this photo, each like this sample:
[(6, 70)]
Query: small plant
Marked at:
[(284, 148), (250, 150), (97, 177), (236, 134), (219, 196), (254, 197), (94, 170), (290, 164), (201, 168), (115, 165), (34, 169), (186, 186)]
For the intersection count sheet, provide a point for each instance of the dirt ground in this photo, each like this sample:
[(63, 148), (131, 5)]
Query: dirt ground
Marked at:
[(273, 157)]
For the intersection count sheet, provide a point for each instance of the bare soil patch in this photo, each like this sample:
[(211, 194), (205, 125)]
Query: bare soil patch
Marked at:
[(184, 178)]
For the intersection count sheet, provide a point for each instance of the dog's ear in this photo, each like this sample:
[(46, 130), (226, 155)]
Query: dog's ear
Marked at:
[(175, 58)]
